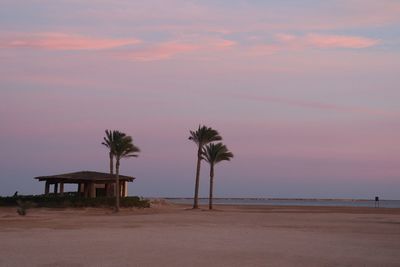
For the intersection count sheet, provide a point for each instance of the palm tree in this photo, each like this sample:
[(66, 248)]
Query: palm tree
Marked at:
[(121, 146), (124, 148), (109, 143), (213, 154), (203, 136)]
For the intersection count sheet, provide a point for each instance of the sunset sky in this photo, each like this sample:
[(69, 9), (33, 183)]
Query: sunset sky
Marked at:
[(305, 93)]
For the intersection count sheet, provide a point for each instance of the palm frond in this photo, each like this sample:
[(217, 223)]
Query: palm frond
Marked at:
[(124, 147), (108, 139), (215, 153), (120, 144), (204, 135)]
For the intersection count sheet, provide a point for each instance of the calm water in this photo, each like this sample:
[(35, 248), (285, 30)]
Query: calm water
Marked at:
[(292, 202)]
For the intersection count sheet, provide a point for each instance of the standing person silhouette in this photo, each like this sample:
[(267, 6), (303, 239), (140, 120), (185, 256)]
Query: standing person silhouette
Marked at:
[(376, 202)]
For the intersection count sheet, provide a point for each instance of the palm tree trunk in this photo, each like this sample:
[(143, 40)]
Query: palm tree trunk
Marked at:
[(210, 200), (196, 187), (109, 187), (111, 163), (117, 189)]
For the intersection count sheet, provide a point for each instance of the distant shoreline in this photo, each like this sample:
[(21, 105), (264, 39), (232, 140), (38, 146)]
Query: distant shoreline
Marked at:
[(293, 202), (283, 199)]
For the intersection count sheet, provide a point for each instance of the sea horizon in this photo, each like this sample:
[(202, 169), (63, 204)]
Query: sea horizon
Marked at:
[(339, 202), (281, 198)]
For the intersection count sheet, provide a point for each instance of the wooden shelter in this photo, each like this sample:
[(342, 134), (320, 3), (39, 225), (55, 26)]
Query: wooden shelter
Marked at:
[(90, 183)]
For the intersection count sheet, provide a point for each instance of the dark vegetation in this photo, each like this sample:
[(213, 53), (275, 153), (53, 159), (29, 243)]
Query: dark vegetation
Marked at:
[(68, 200)]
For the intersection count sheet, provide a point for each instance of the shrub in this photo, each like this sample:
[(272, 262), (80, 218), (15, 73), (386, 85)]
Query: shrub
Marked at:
[(23, 206), (69, 200), (21, 211)]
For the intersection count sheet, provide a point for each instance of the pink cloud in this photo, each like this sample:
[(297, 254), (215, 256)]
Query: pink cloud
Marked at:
[(182, 16), (339, 41), (159, 52), (62, 41), (324, 41), (284, 37), (290, 42), (167, 50), (221, 43)]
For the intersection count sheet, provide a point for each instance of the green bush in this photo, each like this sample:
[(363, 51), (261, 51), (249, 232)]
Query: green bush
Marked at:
[(71, 200)]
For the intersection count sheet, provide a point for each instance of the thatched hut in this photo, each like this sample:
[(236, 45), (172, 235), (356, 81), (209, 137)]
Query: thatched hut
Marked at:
[(90, 183)]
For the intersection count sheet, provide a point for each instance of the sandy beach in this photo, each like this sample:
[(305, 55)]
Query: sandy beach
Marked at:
[(174, 235)]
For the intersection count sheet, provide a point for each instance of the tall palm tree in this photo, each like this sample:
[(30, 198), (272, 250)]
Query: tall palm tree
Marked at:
[(203, 136), (124, 148), (109, 143), (213, 154), (120, 146)]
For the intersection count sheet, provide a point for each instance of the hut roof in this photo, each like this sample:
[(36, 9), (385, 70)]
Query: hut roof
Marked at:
[(83, 176)]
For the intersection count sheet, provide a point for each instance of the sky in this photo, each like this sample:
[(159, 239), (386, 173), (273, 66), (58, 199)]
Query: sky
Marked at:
[(305, 93)]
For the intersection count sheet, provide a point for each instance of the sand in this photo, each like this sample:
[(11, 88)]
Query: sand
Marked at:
[(173, 235)]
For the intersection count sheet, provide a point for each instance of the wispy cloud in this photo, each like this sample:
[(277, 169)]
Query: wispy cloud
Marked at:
[(170, 49), (339, 41), (134, 49), (314, 105), (158, 52), (325, 41), (62, 41), (259, 16), (290, 42), (218, 43)]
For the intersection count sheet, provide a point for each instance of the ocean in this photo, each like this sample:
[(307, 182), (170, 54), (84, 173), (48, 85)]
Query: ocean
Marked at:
[(292, 202)]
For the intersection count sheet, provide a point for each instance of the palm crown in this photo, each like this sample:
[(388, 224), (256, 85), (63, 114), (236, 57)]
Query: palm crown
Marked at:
[(109, 139), (124, 147), (214, 153), (109, 142), (204, 135), (120, 144)]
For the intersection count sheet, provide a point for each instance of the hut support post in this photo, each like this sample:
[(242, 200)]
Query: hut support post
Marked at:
[(106, 189), (92, 190), (47, 188), (86, 189), (123, 191), (55, 188), (61, 189)]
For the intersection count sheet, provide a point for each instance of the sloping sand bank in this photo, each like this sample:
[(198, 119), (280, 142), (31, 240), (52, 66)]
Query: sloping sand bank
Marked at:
[(172, 235)]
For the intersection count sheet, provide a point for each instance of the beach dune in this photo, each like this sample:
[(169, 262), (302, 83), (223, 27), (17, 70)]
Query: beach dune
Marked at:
[(174, 235)]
